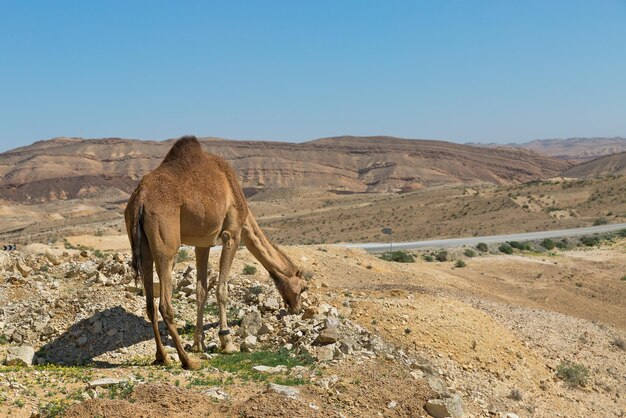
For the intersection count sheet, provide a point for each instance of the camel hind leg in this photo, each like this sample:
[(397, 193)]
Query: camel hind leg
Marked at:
[(202, 265), (230, 243), (153, 315)]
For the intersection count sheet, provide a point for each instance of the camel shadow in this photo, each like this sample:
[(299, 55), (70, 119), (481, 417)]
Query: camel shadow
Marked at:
[(104, 332)]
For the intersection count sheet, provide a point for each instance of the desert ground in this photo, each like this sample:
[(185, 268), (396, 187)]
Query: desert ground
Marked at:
[(493, 336)]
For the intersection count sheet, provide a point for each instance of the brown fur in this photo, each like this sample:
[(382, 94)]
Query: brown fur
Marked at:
[(194, 198)]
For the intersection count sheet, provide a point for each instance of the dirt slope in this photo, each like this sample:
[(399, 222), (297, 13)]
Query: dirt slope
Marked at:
[(610, 165)]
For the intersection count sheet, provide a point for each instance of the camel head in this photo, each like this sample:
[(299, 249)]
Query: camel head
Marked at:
[(290, 288)]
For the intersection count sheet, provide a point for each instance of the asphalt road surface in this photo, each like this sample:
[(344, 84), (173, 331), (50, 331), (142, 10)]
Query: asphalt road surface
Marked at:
[(471, 241)]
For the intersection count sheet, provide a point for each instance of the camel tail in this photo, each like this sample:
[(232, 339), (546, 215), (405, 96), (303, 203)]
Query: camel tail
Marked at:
[(135, 241)]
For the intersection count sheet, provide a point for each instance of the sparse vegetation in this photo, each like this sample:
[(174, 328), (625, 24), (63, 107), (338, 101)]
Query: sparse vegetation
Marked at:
[(428, 258), (469, 253), (573, 374), (398, 256), (459, 264), (183, 255), (619, 343), (548, 244), (515, 394), (121, 390), (442, 256), (249, 269), (590, 240), (600, 221), (522, 246), (482, 247), (55, 408), (505, 248)]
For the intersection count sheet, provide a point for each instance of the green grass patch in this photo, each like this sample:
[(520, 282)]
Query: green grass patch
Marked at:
[(55, 408), (428, 258), (399, 256), (121, 390), (241, 364)]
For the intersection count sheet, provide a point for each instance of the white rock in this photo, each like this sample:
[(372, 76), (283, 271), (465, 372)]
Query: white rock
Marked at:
[(107, 381), (288, 391), (510, 415), (267, 369), (20, 356), (392, 405), (216, 392), (448, 407)]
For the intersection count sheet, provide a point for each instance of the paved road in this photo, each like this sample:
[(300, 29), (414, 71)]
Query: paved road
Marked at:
[(470, 241)]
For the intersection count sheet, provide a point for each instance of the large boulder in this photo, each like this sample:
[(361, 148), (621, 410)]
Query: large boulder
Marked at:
[(447, 407), (20, 356)]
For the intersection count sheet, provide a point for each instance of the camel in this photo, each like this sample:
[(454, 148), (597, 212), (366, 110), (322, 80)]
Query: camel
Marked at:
[(194, 198)]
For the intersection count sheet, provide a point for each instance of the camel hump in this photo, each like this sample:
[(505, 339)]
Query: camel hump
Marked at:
[(185, 147)]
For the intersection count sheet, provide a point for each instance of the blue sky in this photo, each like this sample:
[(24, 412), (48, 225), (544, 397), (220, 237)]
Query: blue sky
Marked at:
[(488, 71)]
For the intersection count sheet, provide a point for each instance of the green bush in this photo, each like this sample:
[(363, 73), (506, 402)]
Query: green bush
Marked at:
[(522, 246), (429, 258), (442, 255), (460, 263), (622, 233), (563, 244), (482, 247), (600, 221), (572, 373), (505, 248), (469, 253), (548, 244), (590, 241), (249, 269), (398, 256)]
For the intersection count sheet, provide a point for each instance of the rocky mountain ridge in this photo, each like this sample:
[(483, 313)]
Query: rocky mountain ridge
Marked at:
[(67, 168)]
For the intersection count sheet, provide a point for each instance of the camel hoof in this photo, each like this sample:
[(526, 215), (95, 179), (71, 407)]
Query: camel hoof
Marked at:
[(230, 348), (161, 362), (192, 365)]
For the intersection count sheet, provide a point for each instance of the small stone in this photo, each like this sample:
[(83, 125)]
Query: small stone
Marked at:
[(53, 258), (266, 329), (392, 405), (216, 392), (325, 353), (288, 391), (111, 332), (20, 356), (328, 336), (23, 268), (331, 322), (97, 327), (249, 343), (328, 382), (250, 324), (509, 415), (271, 305), (82, 340), (119, 257), (448, 407)]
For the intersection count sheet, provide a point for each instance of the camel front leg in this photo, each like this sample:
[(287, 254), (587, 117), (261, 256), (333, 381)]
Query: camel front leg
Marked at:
[(229, 248), (202, 264)]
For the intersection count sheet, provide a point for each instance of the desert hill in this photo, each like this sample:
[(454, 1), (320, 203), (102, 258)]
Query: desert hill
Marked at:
[(572, 149), (67, 168), (610, 165)]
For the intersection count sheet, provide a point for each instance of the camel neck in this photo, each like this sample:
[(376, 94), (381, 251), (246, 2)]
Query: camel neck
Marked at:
[(272, 259)]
